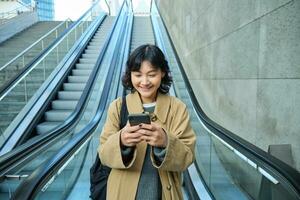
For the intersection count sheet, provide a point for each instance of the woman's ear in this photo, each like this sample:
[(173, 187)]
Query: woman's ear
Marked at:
[(163, 74)]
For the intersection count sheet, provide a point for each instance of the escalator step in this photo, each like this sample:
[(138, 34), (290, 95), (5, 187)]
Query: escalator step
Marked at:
[(78, 79), (69, 95), (88, 60), (44, 127), (64, 105), (57, 115), (81, 72), (85, 66), (74, 86)]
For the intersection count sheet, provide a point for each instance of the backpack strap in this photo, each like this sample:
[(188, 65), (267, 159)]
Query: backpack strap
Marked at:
[(124, 112)]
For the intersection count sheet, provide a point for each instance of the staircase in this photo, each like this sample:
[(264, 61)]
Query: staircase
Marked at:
[(19, 42), (60, 108), (72, 89), (142, 32)]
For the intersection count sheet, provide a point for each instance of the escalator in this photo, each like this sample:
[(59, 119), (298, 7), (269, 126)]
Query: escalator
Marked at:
[(21, 91), (75, 161), (11, 102), (60, 107), (226, 166), (88, 54), (67, 97), (142, 32)]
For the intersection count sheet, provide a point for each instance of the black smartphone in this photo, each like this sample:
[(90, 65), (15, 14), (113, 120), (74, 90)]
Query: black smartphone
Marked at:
[(136, 119)]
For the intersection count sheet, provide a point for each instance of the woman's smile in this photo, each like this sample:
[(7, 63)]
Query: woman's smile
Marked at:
[(147, 81), (145, 88)]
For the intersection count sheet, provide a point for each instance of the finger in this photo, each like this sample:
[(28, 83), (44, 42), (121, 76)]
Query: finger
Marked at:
[(133, 128), (134, 135), (145, 132), (146, 126)]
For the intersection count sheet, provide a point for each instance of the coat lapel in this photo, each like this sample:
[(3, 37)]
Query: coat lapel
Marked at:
[(162, 108), (134, 103)]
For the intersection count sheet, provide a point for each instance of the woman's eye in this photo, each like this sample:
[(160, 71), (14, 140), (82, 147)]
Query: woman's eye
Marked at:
[(152, 75), (137, 75)]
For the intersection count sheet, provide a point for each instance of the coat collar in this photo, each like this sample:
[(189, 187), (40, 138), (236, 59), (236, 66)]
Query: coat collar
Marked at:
[(163, 102)]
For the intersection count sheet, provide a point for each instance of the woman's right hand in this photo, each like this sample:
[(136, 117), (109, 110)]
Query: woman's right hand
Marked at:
[(129, 135)]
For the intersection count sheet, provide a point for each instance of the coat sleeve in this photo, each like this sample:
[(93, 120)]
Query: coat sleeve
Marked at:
[(110, 149), (181, 142)]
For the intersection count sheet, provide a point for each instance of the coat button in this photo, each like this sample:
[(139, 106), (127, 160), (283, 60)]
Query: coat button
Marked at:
[(169, 187), (153, 118)]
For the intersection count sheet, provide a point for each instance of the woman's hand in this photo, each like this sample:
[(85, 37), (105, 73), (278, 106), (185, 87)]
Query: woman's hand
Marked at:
[(153, 134), (129, 135)]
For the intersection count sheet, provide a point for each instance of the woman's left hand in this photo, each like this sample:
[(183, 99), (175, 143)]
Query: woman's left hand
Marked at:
[(154, 135)]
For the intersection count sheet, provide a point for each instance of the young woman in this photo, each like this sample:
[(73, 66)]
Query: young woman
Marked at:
[(147, 159)]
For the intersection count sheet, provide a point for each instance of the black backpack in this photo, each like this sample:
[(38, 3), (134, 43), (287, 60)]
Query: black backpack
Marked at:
[(98, 172)]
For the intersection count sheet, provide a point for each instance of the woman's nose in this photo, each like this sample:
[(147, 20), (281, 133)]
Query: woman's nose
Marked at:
[(145, 80)]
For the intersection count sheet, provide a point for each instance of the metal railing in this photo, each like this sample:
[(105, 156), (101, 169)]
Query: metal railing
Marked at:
[(5, 16), (13, 66)]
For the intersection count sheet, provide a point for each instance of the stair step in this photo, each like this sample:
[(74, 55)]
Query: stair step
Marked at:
[(90, 56), (85, 66), (91, 51), (69, 95), (45, 127), (74, 86), (63, 105), (57, 115), (88, 60), (97, 48), (78, 79), (81, 72)]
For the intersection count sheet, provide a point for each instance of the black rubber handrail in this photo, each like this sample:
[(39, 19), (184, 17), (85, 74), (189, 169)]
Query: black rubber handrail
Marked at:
[(32, 185), (24, 152), (288, 176), (16, 78), (187, 181)]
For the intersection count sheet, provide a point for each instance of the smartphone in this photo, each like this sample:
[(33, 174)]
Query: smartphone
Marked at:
[(136, 119)]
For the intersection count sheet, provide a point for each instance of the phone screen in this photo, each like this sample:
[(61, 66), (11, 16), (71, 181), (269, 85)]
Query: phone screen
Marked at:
[(136, 119)]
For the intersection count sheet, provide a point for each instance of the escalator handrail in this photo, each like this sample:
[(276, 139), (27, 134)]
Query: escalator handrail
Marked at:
[(287, 175), (9, 85), (15, 158), (192, 192), (31, 186)]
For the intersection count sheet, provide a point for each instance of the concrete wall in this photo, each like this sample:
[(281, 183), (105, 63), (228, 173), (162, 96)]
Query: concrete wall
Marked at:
[(243, 61), (17, 24)]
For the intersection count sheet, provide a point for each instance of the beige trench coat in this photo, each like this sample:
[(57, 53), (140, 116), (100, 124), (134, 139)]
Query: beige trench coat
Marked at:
[(123, 180)]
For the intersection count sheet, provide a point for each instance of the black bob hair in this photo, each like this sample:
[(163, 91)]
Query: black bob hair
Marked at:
[(155, 56)]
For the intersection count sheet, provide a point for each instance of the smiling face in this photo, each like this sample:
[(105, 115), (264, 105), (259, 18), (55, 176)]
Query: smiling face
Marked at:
[(146, 81)]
